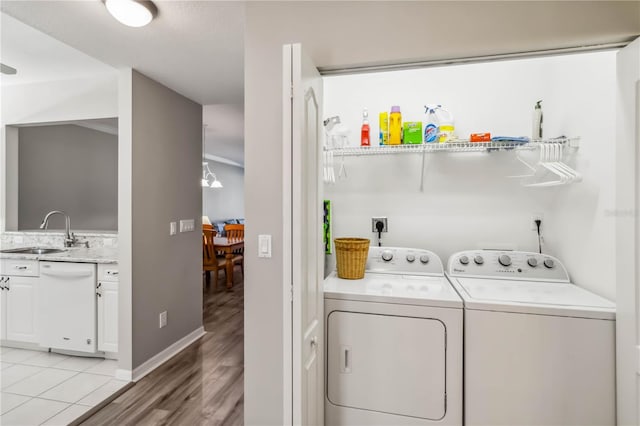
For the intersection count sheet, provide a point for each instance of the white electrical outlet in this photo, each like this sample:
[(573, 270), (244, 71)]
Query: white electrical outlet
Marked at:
[(187, 225), (172, 228), (163, 319)]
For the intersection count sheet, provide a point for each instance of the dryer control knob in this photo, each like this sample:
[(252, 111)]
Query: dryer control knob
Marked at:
[(504, 260), (532, 261), (479, 260), (464, 260), (549, 263), (387, 255), (411, 258), (424, 259)]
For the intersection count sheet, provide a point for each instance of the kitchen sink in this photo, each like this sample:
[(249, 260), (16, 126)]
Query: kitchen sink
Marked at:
[(33, 250)]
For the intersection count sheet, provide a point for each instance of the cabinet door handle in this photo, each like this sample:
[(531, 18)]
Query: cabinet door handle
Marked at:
[(21, 267), (98, 293), (112, 273), (7, 287)]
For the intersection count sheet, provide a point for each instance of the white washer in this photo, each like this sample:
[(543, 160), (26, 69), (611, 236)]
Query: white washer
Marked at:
[(394, 343), (539, 350)]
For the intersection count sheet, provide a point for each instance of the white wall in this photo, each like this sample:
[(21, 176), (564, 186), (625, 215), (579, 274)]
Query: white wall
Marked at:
[(66, 100), (627, 249), (78, 99), (468, 202), (226, 202)]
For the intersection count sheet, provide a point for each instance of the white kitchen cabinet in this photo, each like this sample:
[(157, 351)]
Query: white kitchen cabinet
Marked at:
[(21, 309), (107, 298), (18, 302)]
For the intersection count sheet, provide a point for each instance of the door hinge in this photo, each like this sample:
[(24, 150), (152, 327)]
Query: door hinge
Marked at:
[(291, 294), (291, 91)]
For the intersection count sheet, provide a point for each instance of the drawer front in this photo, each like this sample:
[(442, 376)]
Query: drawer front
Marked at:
[(19, 268), (107, 272)]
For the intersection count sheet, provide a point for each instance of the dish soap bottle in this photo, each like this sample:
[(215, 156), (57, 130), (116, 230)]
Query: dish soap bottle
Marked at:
[(365, 140), (431, 125), (395, 126), (537, 121)]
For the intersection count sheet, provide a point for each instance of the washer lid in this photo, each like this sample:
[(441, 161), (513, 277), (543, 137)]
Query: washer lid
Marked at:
[(545, 298), (399, 289)]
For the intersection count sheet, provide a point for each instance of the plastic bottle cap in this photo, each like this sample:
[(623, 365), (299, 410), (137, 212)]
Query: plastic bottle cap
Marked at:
[(395, 108)]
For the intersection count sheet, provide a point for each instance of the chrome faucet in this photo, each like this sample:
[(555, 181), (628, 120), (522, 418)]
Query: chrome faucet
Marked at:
[(69, 237)]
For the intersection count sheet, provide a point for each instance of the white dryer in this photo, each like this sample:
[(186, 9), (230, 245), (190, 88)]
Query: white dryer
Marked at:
[(394, 343), (539, 350)]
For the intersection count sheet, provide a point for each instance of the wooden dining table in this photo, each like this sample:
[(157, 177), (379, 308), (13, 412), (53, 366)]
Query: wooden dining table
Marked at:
[(228, 246)]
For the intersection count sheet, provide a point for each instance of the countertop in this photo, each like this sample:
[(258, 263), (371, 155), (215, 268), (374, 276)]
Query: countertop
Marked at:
[(71, 254)]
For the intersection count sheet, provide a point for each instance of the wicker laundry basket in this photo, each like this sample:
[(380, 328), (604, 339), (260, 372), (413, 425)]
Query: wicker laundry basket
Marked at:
[(351, 257)]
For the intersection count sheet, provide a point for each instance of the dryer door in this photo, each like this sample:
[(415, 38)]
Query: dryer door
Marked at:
[(386, 363)]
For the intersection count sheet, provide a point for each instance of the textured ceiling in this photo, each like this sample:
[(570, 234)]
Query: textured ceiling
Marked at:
[(193, 47)]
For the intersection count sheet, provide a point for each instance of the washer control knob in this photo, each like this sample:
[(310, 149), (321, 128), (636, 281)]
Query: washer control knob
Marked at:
[(549, 263), (424, 259), (387, 255), (504, 260), (532, 261), (479, 260), (410, 258), (464, 260)]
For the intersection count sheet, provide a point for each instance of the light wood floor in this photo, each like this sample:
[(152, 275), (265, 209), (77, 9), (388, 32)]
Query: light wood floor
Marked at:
[(203, 384)]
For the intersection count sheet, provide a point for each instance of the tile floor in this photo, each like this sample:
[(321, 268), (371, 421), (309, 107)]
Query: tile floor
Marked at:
[(42, 388)]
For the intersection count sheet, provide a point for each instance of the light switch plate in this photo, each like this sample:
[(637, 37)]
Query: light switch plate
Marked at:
[(264, 245), (163, 319), (172, 228), (187, 225)]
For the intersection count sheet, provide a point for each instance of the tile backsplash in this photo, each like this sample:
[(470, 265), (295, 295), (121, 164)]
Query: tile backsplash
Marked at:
[(56, 239)]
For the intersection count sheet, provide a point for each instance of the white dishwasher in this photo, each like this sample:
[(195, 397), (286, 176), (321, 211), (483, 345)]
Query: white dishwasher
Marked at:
[(67, 306)]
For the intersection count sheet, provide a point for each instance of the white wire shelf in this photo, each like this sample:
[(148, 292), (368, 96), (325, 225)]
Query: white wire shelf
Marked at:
[(457, 146)]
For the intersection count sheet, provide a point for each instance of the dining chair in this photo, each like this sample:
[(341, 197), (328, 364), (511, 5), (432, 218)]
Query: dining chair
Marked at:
[(236, 232), (210, 260)]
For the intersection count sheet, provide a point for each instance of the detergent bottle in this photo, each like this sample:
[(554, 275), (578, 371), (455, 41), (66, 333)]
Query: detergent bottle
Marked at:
[(446, 127), (395, 126), (431, 125)]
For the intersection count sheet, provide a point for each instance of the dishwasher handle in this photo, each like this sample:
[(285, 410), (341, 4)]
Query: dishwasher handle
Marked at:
[(62, 273)]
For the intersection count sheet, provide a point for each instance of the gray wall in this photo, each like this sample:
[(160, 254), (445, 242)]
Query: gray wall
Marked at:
[(160, 178), (332, 35), (69, 168), (226, 202)]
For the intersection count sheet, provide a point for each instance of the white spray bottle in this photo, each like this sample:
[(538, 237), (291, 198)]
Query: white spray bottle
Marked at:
[(537, 121), (431, 125)]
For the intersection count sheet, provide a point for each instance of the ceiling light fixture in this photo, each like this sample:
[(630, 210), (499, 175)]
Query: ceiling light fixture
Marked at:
[(133, 13), (206, 172)]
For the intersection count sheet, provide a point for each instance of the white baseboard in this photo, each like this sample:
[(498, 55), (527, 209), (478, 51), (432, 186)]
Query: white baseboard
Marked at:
[(154, 362)]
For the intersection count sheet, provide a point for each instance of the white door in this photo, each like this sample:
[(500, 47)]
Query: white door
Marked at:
[(387, 363), (302, 119), (21, 324), (627, 234)]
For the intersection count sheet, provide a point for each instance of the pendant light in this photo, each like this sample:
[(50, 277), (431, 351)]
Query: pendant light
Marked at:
[(133, 13), (206, 172)]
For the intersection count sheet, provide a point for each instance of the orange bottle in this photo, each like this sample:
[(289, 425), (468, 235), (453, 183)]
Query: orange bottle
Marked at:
[(365, 139)]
